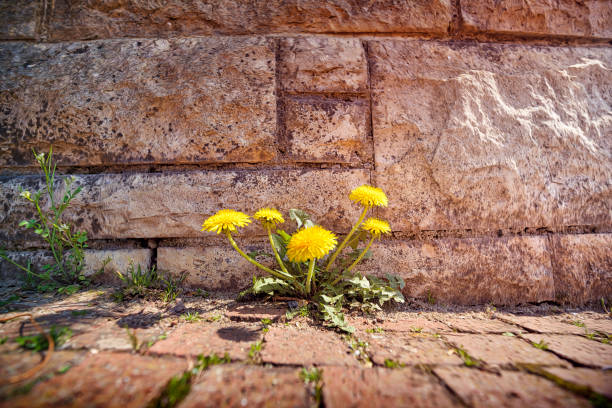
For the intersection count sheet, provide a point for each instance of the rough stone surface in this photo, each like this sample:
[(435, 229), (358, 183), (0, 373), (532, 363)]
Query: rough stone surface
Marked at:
[(601, 325), (503, 350), (305, 346), (590, 18), (576, 348), (256, 312), (192, 339), (175, 204), (204, 100), (379, 387), (417, 325), (94, 383), (18, 19), (97, 19), (598, 380), (209, 267), (542, 324), (507, 389), (409, 349), (113, 335), (582, 268), (477, 137), (481, 326), (315, 64), (469, 271), (327, 131), (252, 386)]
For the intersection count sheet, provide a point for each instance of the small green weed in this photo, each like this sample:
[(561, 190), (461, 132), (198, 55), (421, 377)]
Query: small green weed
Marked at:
[(11, 299), (3, 340), (39, 342), (416, 329), (468, 360), (64, 369), (541, 345), (375, 330), (578, 323), (201, 292), (254, 352), (508, 334), (431, 298), (139, 282), (133, 339), (213, 318), (191, 317), (206, 361), (389, 363), (79, 312), (301, 311), (313, 378)]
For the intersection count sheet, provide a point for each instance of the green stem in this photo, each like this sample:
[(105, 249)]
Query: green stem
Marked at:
[(257, 264), (23, 268), (310, 275), (359, 258), (346, 239), (278, 258)]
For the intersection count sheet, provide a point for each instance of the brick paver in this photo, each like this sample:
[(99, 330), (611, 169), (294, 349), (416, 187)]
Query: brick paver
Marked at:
[(543, 324), (380, 387), (408, 349), (599, 381), (503, 350), (482, 326), (104, 380), (248, 386), (111, 336), (305, 346), (418, 325), (478, 388), (192, 339), (256, 312), (576, 348), (600, 325)]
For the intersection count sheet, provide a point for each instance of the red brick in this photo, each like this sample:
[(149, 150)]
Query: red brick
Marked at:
[(305, 346), (480, 389), (417, 325), (502, 350), (249, 312), (575, 348), (248, 386), (598, 380), (481, 326), (542, 324), (192, 339), (104, 380), (409, 349), (380, 387), (111, 336)]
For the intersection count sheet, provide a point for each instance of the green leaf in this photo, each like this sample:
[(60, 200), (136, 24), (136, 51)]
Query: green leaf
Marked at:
[(301, 218), (279, 244), (283, 234), (270, 285)]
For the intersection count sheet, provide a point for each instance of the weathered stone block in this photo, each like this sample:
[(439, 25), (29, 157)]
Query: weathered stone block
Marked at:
[(492, 136), (18, 19), (469, 271), (578, 349), (582, 267), (213, 268), (175, 204), (328, 131), (140, 18), (589, 18), (186, 100), (317, 64)]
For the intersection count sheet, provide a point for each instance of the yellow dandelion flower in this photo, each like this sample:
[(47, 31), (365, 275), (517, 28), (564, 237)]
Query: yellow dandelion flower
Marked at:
[(226, 220), (369, 196), (310, 243), (269, 216), (376, 227)]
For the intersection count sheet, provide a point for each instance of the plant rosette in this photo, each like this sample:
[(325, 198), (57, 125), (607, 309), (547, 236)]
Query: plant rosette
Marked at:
[(310, 263)]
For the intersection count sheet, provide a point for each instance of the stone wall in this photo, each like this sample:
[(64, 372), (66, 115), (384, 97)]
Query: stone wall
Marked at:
[(488, 123)]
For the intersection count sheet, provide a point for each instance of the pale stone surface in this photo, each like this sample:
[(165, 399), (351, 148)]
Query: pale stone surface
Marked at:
[(84, 19), (18, 19), (210, 267), (176, 204), (582, 267), (480, 389), (587, 18), (417, 325), (316, 64), (327, 130), (503, 350), (139, 101), (380, 387), (481, 326), (576, 348), (469, 271), (252, 386), (542, 324), (598, 380), (482, 137)]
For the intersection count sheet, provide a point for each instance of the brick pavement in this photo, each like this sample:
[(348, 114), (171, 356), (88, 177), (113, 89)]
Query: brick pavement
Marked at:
[(400, 357)]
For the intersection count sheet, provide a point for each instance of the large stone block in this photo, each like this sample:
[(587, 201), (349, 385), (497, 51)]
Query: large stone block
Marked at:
[(86, 19), (188, 100), (164, 205), (315, 64), (587, 18), (489, 136), (503, 271), (328, 130), (582, 268), (18, 19)]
